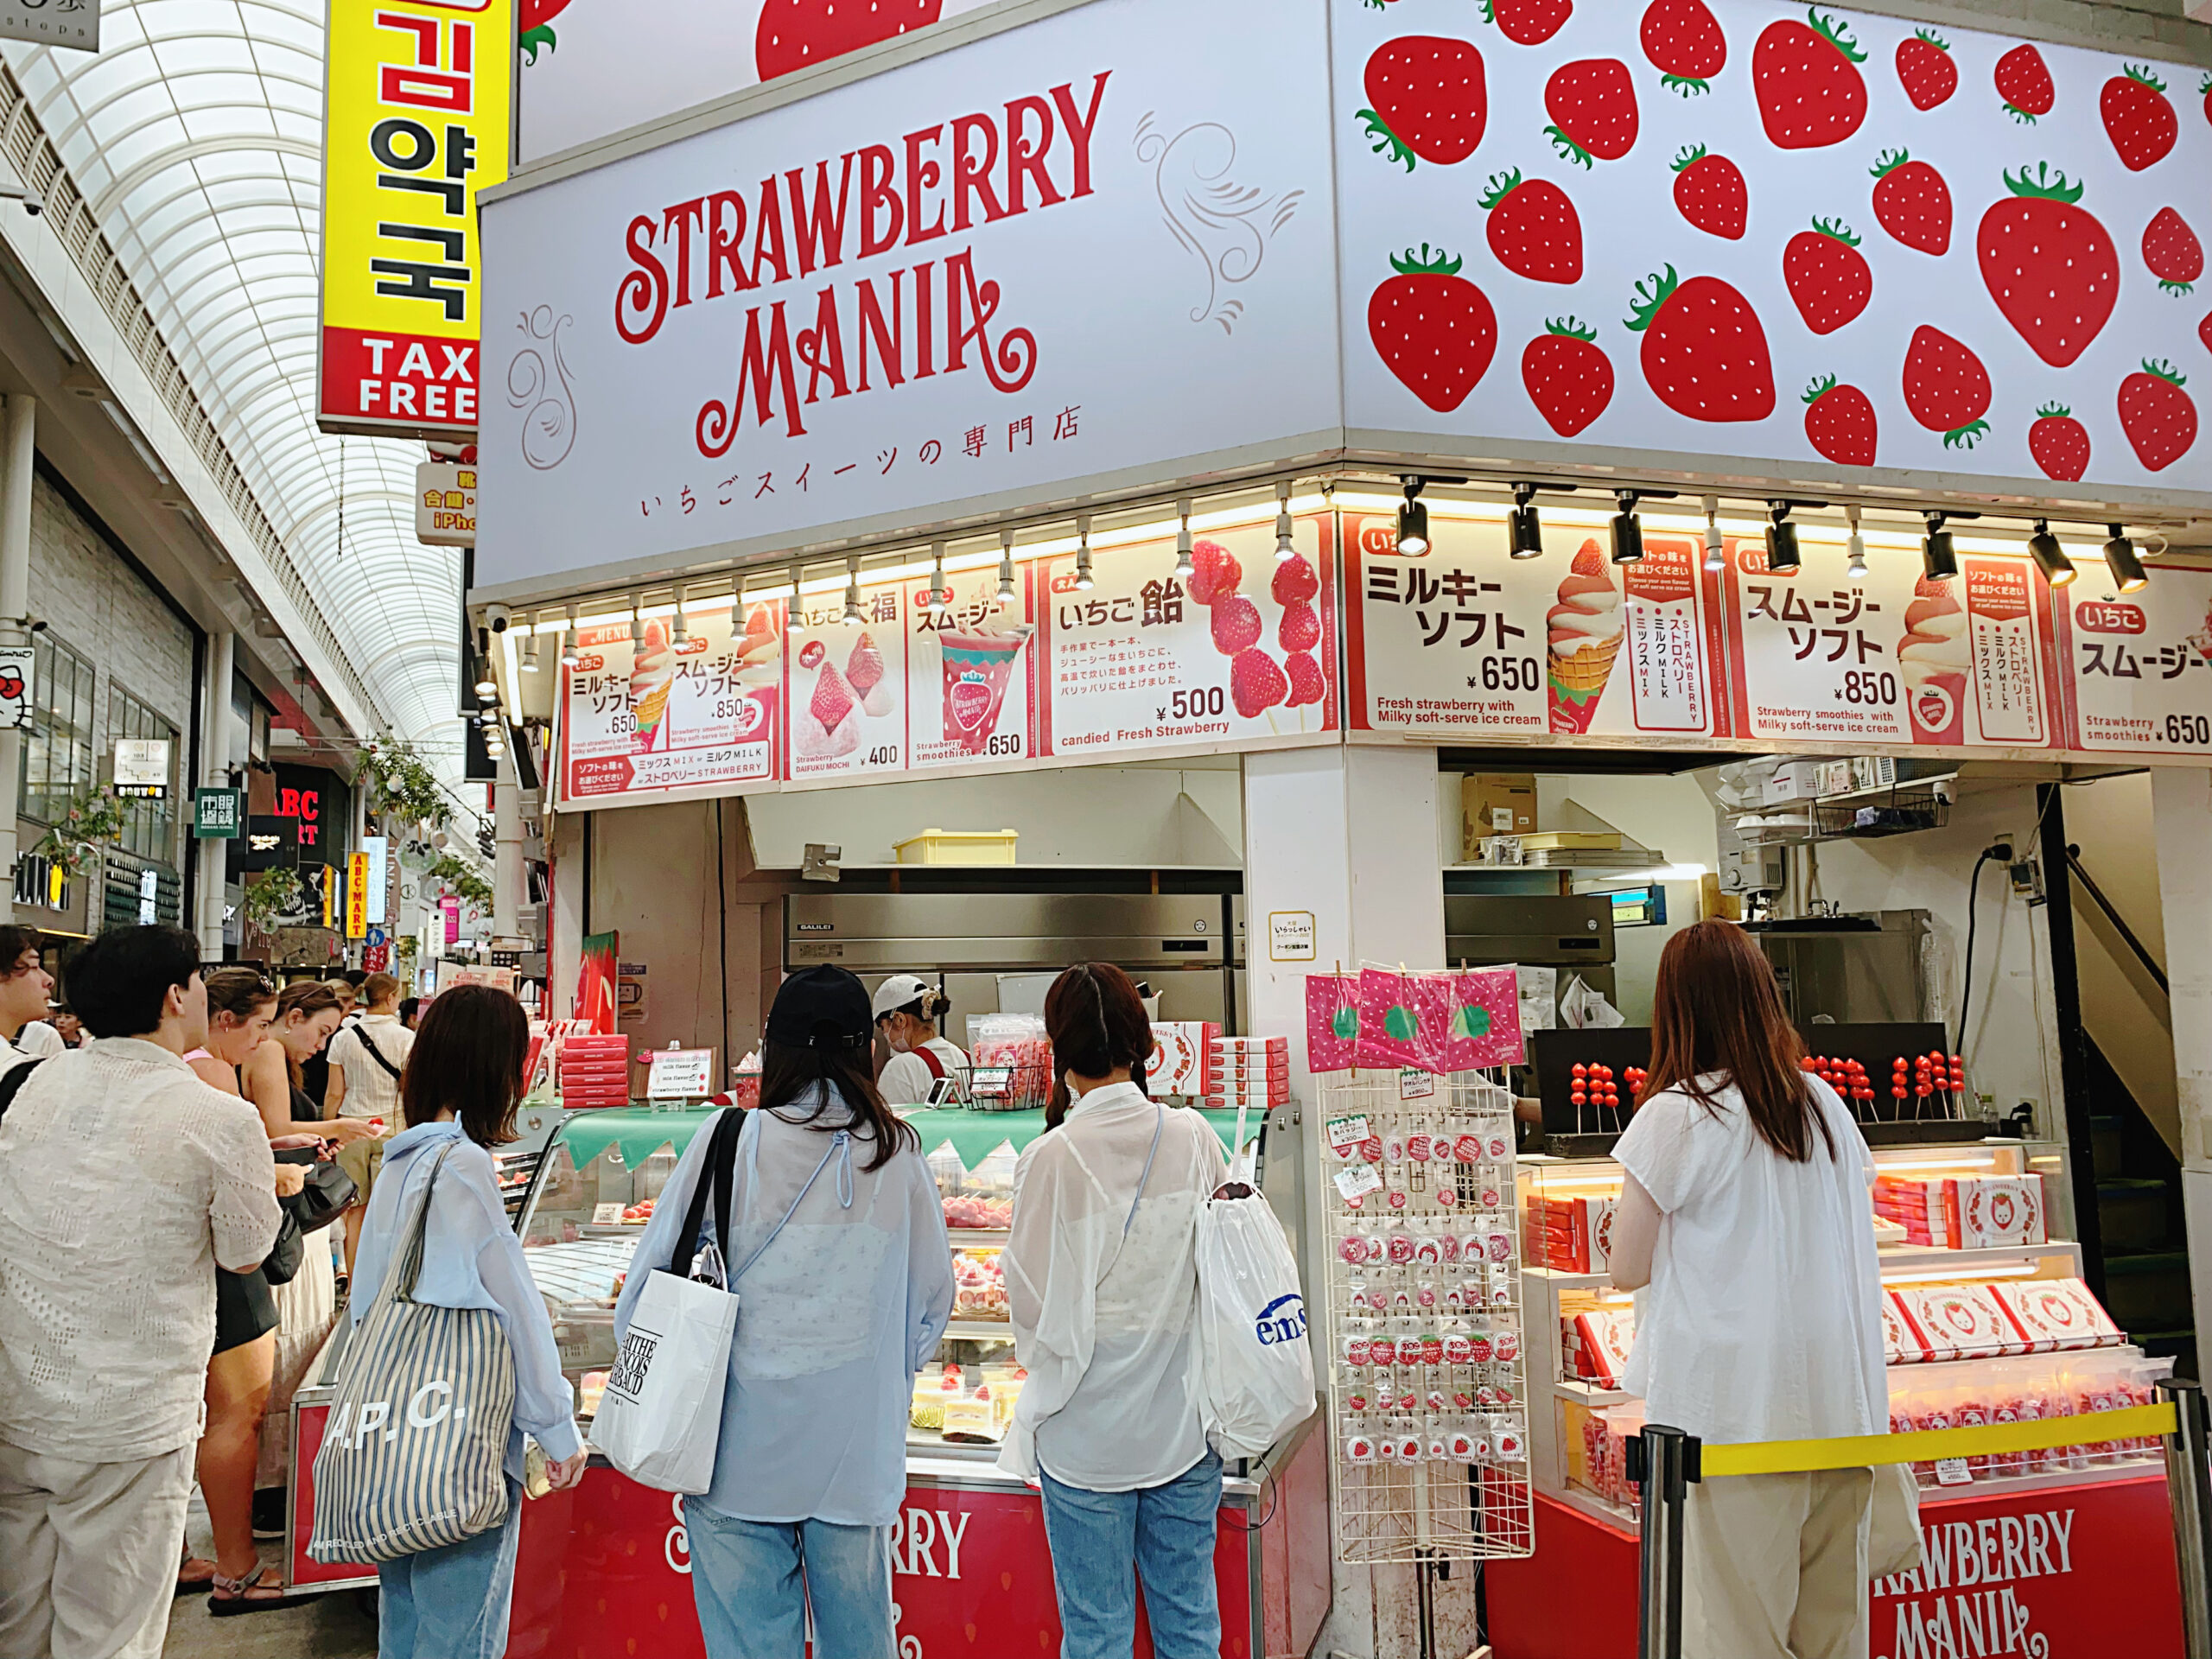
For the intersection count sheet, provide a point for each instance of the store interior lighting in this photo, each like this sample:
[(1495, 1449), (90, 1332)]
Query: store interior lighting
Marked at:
[(637, 620), (487, 689), (1413, 522), (1006, 572), (1528, 529), (2127, 573), (569, 657), (854, 615), (680, 630), (2051, 558), (1938, 554), (1716, 549), (795, 615), (1084, 580), (940, 586), (1781, 539), (1627, 531), (1285, 547), (1857, 568)]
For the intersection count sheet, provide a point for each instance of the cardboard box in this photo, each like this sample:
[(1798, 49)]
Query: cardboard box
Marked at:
[(1497, 803), (1794, 780)]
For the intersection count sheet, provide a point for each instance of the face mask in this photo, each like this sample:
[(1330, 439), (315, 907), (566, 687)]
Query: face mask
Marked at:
[(896, 1038)]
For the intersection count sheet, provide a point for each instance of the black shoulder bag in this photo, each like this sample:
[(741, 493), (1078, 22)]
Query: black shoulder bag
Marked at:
[(721, 1172)]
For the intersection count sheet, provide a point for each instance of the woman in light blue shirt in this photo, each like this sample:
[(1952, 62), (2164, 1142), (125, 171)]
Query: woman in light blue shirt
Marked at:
[(463, 1079), (843, 1275)]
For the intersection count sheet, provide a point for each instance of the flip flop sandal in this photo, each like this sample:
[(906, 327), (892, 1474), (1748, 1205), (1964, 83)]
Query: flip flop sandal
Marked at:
[(234, 1596), (191, 1586)]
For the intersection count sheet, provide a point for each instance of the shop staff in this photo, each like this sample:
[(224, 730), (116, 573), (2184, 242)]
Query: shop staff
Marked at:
[(1745, 1222), (907, 1009)]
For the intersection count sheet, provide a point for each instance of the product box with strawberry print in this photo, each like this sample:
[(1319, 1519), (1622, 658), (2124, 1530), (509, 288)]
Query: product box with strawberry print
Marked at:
[(1902, 1343), (1605, 1337), (1180, 1051), (1981, 1212), (2052, 1313), (1962, 1321)]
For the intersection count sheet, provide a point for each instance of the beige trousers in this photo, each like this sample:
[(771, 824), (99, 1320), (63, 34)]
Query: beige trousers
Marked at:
[(1774, 1566), (89, 1554)]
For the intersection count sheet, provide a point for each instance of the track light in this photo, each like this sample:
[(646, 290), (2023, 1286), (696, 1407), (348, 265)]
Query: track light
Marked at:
[(1285, 548), (637, 619), (487, 689), (1857, 570), (940, 589), (569, 657), (680, 632), (1781, 539), (2051, 558), (795, 613), (854, 615), (1006, 569), (1186, 566), (1413, 522), (1083, 579), (1528, 529), (1939, 559), (1628, 532), (1716, 545), (2127, 572)]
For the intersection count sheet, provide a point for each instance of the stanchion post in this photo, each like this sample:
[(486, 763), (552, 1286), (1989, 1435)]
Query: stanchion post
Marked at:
[(1664, 1461), (2189, 1489)]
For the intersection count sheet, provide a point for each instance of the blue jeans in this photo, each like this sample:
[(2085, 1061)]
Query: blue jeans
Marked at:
[(1166, 1532), (753, 1582), (452, 1603)]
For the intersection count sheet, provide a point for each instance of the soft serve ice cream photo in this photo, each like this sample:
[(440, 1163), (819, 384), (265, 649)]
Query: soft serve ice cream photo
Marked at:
[(1584, 629), (652, 677), (1933, 659)]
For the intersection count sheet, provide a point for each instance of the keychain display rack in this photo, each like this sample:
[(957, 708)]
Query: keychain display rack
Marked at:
[(1427, 1383)]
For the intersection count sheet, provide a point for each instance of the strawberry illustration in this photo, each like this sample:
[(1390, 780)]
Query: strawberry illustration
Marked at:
[(1705, 354), (2052, 269), (2204, 87), (793, 34), (2157, 416), (1255, 684), (2140, 122), (1591, 103), (1684, 42), (1237, 625), (534, 20), (1532, 228), (1839, 422), (2060, 444), (1295, 581), (1946, 387), (1828, 277), (1307, 683), (1215, 574), (1912, 202), (1569, 379), (1527, 23), (1300, 629), (1710, 193), (2023, 82), (1806, 78), (2172, 251), (1925, 69), (2204, 331), (1425, 97), (1432, 327)]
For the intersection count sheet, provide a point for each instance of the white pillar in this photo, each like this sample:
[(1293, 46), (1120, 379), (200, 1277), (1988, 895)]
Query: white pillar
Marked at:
[(565, 845), (215, 761), (507, 868), (18, 453), (2181, 806), (1350, 836)]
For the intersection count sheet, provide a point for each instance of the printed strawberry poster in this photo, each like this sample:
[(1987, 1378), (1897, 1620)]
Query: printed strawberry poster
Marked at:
[(1891, 659), (847, 687), (1466, 641), (1243, 652), (970, 674), (1823, 244), (661, 713), (2138, 666)]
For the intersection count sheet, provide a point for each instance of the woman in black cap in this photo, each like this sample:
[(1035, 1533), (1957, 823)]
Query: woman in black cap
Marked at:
[(838, 1255)]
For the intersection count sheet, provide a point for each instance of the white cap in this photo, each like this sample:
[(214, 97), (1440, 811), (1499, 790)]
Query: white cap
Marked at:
[(899, 991)]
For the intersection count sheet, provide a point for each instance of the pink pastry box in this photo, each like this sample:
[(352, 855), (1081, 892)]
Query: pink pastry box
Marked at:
[(1182, 1055)]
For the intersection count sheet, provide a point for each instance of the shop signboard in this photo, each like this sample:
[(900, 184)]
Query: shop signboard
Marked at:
[(2138, 675), (1467, 642), (445, 503), (356, 895), (142, 768), (270, 843), (1834, 256), (53, 22), (414, 124), (449, 910), (956, 285), (18, 675), (645, 716), (850, 702), (1891, 659), (217, 814), (378, 851)]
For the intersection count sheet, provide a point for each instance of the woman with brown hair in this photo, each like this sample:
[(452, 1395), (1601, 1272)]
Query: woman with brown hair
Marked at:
[(1746, 1227), (1102, 1280)]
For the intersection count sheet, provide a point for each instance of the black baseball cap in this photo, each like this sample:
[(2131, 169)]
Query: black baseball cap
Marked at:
[(821, 1007)]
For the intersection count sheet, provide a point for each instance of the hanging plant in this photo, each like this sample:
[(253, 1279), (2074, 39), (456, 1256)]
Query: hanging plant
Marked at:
[(275, 891), (397, 784), (463, 880), (90, 821)]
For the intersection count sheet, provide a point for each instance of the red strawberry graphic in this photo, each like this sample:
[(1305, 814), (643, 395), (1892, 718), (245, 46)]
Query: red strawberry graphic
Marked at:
[(1215, 573), (1255, 684), (1295, 581), (793, 34), (1912, 202), (1306, 682), (1710, 193), (1705, 354), (2204, 331), (1237, 625), (1425, 97), (536, 22), (1925, 69), (1828, 277), (2049, 265), (1685, 45), (1432, 327), (1532, 228), (1300, 629), (1839, 422), (969, 703), (1591, 103), (1569, 379), (2205, 87), (1527, 23), (2138, 120), (2023, 82), (2172, 251), (1806, 78), (1946, 387), (2157, 416), (2060, 444)]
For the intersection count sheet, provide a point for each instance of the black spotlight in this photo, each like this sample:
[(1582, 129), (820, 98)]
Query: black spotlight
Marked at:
[(1781, 539), (1413, 522), (1939, 559), (2051, 558), (1528, 533), (1628, 531), (2127, 572)]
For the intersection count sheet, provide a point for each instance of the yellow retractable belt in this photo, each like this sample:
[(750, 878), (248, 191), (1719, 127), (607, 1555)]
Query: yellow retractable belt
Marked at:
[(1933, 1444)]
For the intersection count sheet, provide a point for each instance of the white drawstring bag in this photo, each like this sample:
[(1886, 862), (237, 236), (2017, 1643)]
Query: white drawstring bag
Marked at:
[(1256, 1370)]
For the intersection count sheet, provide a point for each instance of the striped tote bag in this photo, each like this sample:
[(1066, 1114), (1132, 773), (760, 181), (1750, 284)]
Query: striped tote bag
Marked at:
[(412, 1459)]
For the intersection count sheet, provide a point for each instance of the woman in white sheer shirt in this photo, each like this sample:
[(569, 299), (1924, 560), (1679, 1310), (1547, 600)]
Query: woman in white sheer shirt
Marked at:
[(1102, 1282)]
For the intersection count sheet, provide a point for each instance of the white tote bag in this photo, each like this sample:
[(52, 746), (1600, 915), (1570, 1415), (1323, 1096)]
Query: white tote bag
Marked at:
[(1256, 1368)]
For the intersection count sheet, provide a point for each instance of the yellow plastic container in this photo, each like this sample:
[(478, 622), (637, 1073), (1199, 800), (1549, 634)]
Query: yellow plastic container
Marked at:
[(958, 846)]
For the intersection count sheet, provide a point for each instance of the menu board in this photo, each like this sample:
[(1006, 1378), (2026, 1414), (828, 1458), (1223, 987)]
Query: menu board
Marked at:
[(1891, 659), (847, 687), (1465, 641), (1243, 652), (652, 715), (2140, 668), (970, 674)]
